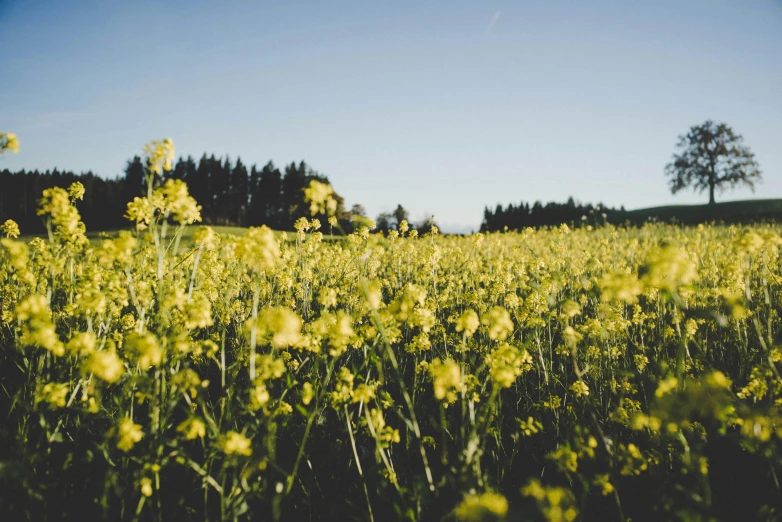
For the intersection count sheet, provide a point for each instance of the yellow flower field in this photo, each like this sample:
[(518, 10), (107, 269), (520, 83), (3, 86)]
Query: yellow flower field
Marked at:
[(562, 374)]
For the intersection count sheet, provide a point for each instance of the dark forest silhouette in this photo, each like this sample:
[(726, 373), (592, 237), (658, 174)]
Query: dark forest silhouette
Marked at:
[(229, 193), (235, 194), (516, 217)]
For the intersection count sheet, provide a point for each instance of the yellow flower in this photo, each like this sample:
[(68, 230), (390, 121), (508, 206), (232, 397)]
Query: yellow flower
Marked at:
[(446, 377), (206, 237), (580, 388), (343, 391), (18, 255), (506, 363), (666, 386), (282, 324), (234, 443), (258, 249), (128, 434), (340, 334), (482, 508), (198, 311), (499, 323), (144, 349), (669, 268), (603, 482), (173, 199), (192, 428), (283, 409), (301, 225), (76, 190), (32, 307), (530, 426), (319, 196), (556, 503), (187, 380), (140, 210), (82, 343), (106, 365), (364, 392), (468, 323), (307, 393), (565, 458), (159, 155), (68, 228), (717, 379), (570, 308), (53, 393), (571, 336), (9, 141), (259, 395), (146, 486), (328, 298), (269, 367), (621, 286), (10, 228), (640, 362), (37, 328)]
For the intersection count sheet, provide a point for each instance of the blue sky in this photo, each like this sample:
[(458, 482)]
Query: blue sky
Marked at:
[(444, 106)]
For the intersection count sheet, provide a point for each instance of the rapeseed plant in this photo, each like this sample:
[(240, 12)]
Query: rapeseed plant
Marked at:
[(561, 373)]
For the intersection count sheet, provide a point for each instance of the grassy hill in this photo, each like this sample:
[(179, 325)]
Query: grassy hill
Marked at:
[(96, 236), (747, 211), (729, 212)]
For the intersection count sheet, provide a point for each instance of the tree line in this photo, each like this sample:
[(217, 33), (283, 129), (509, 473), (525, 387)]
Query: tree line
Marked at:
[(710, 157), (523, 215), (235, 194), (232, 194)]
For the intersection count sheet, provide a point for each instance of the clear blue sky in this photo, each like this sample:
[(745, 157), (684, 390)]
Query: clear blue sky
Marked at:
[(444, 106)]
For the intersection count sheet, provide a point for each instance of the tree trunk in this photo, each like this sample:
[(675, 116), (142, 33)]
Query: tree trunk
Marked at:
[(711, 193)]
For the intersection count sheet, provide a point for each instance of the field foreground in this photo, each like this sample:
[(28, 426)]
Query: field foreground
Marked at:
[(590, 374)]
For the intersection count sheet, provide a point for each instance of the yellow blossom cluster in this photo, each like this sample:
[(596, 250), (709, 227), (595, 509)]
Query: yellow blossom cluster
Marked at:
[(9, 142)]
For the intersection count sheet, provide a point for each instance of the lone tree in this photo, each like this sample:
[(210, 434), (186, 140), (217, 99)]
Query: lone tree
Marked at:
[(711, 156)]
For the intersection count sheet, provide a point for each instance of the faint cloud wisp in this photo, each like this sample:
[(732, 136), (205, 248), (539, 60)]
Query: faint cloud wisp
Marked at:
[(494, 20)]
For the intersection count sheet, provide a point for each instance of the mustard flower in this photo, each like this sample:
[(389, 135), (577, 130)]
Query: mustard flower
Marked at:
[(481, 508), (145, 484), (669, 268), (159, 156), (258, 249), (320, 197), (468, 323), (307, 393), (76, 190), (106, 365), (128, 434), (192, 428), (506, 363), (53, 393), (498, 322), (144, 349), (10, 228), (446, 377), (9, 141), (37, 327), (233, 443), (198, 312), (174, 200), (282, 324)]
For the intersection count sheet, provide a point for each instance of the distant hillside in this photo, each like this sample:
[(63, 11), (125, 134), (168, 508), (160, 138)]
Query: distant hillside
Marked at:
[(747, 211), (537, 215)]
